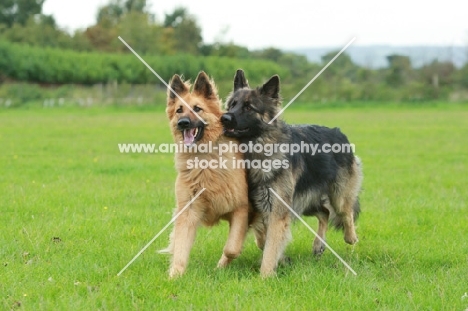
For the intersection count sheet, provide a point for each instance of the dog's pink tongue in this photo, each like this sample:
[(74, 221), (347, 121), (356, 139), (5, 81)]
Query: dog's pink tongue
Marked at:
[(189, 136)]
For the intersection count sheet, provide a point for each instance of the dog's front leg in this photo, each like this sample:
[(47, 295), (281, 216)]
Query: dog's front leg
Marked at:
[(238, 225), (182, 240), (277, 237)]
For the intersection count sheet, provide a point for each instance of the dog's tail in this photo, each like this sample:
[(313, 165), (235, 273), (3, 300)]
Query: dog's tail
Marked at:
[(336, 220), (357, 205)]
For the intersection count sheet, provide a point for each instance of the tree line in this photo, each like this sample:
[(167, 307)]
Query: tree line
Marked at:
[(33, 48)]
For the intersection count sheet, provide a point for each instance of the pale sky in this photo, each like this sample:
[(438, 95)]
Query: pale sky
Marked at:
[(294, 23)]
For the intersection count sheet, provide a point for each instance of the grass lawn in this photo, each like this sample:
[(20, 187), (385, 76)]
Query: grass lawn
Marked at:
[(74, 211)]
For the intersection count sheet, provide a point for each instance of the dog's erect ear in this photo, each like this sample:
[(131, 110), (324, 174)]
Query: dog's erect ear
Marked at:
[(178, 86), (239, 80), (203, 86), (271, 88)]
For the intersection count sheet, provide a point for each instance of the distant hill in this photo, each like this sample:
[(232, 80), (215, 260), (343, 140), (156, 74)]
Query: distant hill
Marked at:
[(374, 56)]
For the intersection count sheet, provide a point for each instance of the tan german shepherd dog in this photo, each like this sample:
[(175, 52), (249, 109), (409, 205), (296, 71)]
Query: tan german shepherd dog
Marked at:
[(225, 195)]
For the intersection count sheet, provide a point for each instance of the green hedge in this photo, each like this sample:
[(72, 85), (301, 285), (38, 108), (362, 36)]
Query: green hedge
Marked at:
[(49, 65)]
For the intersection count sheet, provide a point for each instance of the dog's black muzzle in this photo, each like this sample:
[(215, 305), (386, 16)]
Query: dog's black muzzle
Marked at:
[(228, 120), (183, 123)]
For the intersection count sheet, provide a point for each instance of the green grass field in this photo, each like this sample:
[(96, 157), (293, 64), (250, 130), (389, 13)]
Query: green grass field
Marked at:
[(74, 211)]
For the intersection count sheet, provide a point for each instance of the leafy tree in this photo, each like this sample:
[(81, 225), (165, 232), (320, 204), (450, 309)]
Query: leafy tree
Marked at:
[(175, 18), (109, 15), (438, 73), (437, 77), (135, 6), (186, 31), (342, 66), (39, 30), (19, 11), (128, 19), (101, 37), (297, 64), (271, 53), (461, 76), (225, 49), (399, 70), (142, 34), (80, 42)]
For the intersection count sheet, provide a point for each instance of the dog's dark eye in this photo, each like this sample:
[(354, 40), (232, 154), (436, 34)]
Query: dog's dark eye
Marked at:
[(247, 106), (233, 104), (179, 110), (197, 109)]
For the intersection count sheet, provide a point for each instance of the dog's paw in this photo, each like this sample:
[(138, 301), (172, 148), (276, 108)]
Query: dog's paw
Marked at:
[(318, 247), (318, 250), (267, 273), (224, 261), (176, 272), (351, 239)]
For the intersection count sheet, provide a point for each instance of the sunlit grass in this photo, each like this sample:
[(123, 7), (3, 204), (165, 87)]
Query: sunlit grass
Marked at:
[(74, 211)]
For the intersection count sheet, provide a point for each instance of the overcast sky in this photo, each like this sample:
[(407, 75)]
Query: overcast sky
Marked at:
[(294, 24)]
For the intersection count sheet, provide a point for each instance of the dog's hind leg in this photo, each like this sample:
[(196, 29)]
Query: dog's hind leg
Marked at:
[(344, 218), (347, 217), (238, 225), (344, 199), (349, 209), (319, 246), (184, 235)]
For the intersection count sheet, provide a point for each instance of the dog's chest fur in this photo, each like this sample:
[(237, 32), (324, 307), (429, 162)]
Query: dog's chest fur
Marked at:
[(221, 195), (259, 180)]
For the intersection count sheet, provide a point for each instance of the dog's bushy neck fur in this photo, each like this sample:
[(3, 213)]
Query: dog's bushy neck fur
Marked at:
[(270, 133)]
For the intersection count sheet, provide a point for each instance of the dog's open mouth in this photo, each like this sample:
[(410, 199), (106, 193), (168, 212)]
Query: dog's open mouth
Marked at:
[(192, 135), (235, 131)]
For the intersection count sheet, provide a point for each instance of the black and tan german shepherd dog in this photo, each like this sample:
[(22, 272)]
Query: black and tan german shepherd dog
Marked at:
[(324, 184)]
